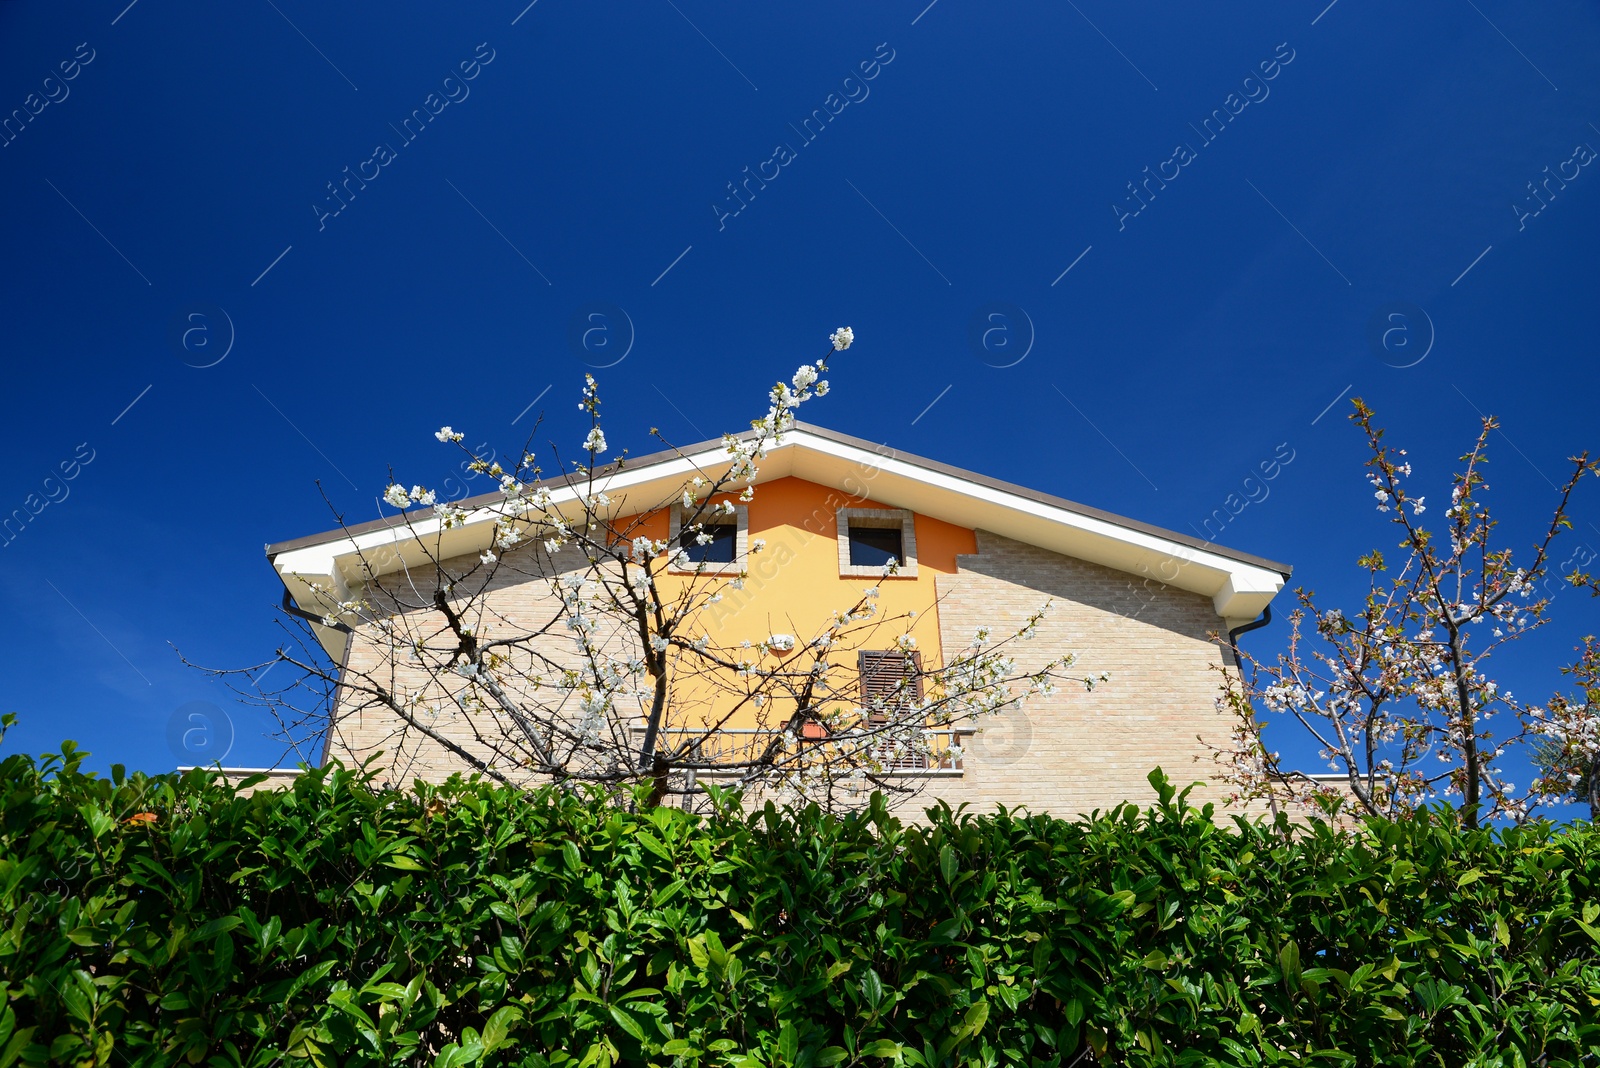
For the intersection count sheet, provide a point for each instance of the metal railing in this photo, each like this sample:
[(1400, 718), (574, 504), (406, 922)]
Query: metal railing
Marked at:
[(736, 745)]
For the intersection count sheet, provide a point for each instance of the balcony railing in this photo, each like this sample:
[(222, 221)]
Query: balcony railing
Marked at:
[(731, 746)]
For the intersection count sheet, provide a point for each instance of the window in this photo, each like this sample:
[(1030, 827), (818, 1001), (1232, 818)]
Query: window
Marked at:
[(724, 553), (875, 546), (882, 673), (892, 680), (868, 537), (718, 550)]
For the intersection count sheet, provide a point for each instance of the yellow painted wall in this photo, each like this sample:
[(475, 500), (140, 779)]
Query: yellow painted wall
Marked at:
[(794, 585)]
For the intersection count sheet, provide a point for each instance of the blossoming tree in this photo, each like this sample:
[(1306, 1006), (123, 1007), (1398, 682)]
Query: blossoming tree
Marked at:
[(619, 679), (1568, 753), (1398, 695)]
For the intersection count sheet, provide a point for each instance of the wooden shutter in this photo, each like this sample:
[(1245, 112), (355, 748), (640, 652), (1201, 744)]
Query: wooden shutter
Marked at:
[(881, 671)]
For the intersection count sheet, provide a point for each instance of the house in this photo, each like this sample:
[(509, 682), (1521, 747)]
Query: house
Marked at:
[(1143, 604)]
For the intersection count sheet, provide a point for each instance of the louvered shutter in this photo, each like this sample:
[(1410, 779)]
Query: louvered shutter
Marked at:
[(881, 671)]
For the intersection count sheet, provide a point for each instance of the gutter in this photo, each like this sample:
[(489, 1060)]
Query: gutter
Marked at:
[(1233, 635), (333, 705), (293, 609)]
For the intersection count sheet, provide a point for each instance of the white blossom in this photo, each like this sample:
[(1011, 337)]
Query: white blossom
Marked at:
[(396, 495), (595, 442), (640, 584), (842, 338), (444, 433)]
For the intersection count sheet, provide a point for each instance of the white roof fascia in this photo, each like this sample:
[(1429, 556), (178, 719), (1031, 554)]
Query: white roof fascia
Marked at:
[(337, 563), (1238, 589)]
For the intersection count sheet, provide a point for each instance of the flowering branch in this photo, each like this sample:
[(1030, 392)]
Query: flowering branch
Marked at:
[(1568, 750), (1397, 696)]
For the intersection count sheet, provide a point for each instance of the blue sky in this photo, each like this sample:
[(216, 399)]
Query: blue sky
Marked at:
[(564, 159)]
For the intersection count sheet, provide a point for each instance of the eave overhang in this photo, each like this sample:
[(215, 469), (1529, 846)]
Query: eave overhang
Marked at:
[(1239, 585)]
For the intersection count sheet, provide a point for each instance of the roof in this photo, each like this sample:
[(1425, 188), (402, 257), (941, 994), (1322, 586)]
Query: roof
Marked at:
[(1240, 584)]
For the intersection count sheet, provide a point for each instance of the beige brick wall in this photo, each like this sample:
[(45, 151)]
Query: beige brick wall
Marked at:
[(1074, 752), (519, 598)]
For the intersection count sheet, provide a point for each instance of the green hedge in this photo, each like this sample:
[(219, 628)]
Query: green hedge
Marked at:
[(167, 920)]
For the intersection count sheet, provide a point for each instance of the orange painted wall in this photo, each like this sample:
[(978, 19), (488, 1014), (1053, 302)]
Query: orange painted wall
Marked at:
[(794, 585)]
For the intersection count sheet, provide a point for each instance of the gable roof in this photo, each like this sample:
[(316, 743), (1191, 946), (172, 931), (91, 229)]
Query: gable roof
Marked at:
[(1239, 584)]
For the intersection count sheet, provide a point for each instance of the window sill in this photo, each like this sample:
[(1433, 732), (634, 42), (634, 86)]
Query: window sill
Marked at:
[(862, 571), (724, 570)]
